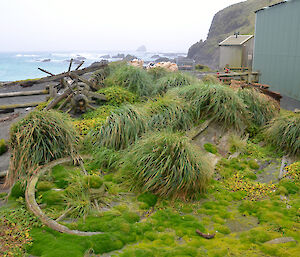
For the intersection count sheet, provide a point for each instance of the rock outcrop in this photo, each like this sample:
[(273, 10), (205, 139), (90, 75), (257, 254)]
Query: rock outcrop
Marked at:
[(235, 18)]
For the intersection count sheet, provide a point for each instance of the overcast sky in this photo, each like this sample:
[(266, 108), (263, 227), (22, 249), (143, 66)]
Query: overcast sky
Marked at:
[(67, 25)]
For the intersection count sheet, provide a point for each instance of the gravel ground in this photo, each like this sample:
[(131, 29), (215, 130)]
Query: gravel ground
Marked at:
[(20, 113)]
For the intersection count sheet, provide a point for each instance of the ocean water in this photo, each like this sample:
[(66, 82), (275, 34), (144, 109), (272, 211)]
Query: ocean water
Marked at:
[(19, 66)]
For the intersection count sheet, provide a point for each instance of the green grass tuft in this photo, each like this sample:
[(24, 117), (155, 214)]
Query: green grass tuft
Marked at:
[(148, 198), (157, 72), (284, 133), (210, 148), (174, 79), (132, 78), (41, 137), (262, 108), (167, 164), (118, 95), (121, 128), (169, 111), (218, 102)]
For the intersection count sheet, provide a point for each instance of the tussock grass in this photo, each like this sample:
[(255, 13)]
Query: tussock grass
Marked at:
[(118, 95), (167, 164), (169, 111), (220, 103), (284, 133), (261, 107), (121, 128), (174, 79), (83, 194), (41, 137), (158, 72), (106, 158), (132, 78)]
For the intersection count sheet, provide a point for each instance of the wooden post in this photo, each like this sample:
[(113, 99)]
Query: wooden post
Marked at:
[(52, 91), (46, 72), (79, 65), (70, 65)]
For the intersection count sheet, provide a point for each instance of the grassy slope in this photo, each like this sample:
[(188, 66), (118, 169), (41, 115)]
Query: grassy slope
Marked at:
[(238, 17)]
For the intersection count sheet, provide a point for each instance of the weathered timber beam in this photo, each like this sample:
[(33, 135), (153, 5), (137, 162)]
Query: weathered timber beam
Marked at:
[(80, 64), (27, 83), (95, 95), (25, 93), (76, 77), (70, 65), (58, 98), (46, 72), (15, 106)]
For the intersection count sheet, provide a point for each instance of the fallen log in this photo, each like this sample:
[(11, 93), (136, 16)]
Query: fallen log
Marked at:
[(25, 93), (27, 83), (15, 106)]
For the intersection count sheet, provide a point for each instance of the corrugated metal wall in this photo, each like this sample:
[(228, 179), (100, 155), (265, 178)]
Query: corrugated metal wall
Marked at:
[(277, 48)]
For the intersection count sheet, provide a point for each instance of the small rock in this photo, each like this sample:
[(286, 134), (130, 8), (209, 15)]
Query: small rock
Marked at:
[(281, 240)]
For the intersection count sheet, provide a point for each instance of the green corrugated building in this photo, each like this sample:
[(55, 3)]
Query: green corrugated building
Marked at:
[(277, 47)]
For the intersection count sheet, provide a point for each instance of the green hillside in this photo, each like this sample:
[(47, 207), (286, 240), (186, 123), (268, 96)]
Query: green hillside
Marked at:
[(235, 18)]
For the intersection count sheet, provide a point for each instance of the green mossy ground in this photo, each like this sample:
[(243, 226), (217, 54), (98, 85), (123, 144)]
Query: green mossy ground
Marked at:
[(144, 225)]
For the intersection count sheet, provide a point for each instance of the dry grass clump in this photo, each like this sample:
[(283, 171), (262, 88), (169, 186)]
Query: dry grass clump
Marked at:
[(169, 111), (262, 108), (218, 102), (121, 128), (167, 164), (41, 137), (284, 132), (132, 78)]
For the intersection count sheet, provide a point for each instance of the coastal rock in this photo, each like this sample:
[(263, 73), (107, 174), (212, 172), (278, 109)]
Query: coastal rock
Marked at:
[(119, 56), (45, 60), (141, 49), (106, 56), (129, 57), (95, 64), (76, 61), (80, 58), (281, 240), (163, 59), (156, 56)]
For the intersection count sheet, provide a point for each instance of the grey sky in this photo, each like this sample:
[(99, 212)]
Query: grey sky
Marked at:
[(161, 25)]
